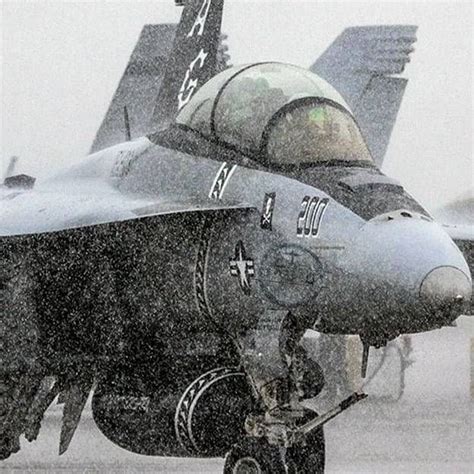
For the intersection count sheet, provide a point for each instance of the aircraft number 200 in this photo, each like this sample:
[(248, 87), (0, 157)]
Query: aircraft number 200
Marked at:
[(310, 216)]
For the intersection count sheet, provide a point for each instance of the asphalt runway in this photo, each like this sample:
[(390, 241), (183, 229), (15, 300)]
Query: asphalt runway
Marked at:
[(428, 431)]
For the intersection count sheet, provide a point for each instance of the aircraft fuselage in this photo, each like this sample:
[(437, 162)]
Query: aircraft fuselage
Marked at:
[(286, 244)]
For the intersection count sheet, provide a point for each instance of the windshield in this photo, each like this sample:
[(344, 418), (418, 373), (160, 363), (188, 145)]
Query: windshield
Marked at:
[(255, 94), (314, 133), (235, 106)]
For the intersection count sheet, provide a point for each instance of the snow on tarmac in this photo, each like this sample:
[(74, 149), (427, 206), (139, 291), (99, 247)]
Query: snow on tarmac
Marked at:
[(428, 431)]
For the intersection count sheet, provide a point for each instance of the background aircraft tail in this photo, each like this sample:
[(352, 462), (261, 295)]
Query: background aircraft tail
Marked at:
[(361, 64), (138, 87)]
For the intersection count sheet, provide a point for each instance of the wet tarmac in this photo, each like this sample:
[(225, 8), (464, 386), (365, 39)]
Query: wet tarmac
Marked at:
[(428, 431)]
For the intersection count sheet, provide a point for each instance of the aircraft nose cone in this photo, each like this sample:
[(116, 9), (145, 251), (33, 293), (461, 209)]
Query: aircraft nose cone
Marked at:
[(445, 288)]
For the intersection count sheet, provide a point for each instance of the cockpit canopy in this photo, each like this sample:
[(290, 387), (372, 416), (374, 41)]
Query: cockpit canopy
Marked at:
[(276, 113)]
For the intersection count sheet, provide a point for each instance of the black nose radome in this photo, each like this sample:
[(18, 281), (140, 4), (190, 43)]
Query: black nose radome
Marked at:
[(445, 288)]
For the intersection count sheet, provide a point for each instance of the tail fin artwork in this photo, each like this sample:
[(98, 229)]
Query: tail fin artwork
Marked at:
[(192, 61), (361, 64)]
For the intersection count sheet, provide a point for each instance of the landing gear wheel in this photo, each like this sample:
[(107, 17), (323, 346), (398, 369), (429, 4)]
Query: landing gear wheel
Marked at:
[(254, 456), (308, 459)]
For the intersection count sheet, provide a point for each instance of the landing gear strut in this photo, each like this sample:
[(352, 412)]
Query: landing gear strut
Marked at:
[(257, 456), (284, 437)]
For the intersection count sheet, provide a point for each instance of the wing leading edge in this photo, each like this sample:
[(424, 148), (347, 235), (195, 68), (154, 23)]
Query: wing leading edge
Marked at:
[(92, 209)]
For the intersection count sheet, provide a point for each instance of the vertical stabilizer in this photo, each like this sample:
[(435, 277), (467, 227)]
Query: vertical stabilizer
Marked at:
[(364, 64), (192, 61), (138, 87)]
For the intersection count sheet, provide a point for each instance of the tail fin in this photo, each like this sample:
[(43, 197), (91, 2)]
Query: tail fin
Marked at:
[(138, 87), (360, 64), (192, 61)]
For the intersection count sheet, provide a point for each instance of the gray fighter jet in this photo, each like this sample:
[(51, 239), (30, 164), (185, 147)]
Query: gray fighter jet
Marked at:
[(176, 274)]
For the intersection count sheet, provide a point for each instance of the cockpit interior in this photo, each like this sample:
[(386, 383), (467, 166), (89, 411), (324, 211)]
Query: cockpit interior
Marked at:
[(276, 114)]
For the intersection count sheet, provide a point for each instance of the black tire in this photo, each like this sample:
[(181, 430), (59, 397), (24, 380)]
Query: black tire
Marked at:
[(254, 456), (308, 459)]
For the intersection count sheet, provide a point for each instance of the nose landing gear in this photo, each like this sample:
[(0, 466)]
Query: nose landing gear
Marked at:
[(274, 447), (284, 437)]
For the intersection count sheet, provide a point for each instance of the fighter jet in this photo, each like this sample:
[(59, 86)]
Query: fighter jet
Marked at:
[(176, 274)]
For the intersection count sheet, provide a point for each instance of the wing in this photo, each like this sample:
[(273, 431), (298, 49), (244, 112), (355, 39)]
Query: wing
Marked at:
[(138, 87), (41, 212), (192, 61), (360, 64), (102, 189), (463, 236)]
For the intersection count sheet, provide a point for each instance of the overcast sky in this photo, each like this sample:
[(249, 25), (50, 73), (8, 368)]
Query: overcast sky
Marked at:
[(62, 60)]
